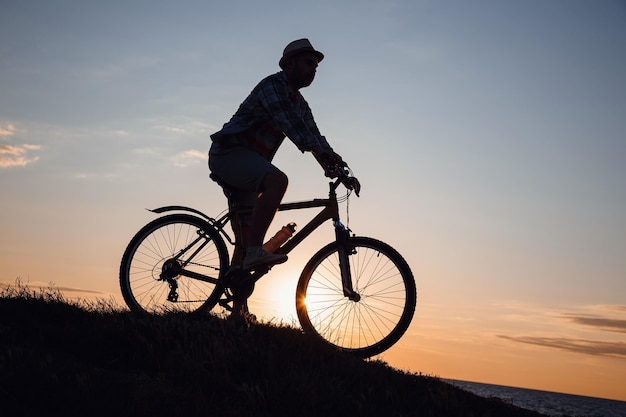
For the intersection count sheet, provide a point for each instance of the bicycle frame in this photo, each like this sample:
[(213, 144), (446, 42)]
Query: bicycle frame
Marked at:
[(330, 211)]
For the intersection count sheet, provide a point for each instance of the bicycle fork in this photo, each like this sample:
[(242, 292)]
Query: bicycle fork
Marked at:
[(344, 251)]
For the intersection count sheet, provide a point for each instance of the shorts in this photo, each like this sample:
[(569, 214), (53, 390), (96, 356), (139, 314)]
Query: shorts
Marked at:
[(243, 170)]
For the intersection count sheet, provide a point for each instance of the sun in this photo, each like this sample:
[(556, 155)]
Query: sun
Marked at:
[(274, 296)]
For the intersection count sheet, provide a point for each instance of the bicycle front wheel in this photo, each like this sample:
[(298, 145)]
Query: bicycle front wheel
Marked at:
[(157, 264), (385, 306)]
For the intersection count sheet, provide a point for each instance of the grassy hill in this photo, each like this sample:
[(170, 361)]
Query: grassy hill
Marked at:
[(71, 359)]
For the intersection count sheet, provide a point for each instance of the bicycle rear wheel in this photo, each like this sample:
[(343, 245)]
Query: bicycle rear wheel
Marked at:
[(386, 287), (150, 272)]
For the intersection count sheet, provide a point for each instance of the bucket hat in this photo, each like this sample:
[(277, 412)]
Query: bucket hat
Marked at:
[(296, 47)]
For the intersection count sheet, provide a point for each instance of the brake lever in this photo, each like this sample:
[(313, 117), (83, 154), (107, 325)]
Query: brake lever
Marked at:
[(353, 184)]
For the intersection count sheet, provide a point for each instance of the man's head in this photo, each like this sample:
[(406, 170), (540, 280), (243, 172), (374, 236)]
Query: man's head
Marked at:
[(296, 47), (299, 61)]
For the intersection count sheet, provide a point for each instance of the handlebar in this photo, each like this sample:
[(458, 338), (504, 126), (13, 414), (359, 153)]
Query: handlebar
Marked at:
[(343, 174), (335, 167)]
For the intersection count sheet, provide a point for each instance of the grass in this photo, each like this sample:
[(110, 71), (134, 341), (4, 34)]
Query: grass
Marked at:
[(92, 359)]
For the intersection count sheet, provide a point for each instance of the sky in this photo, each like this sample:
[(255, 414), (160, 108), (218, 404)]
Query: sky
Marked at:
[(489, 138)]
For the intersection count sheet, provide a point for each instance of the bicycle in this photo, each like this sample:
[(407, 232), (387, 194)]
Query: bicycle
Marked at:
[(356, 293)]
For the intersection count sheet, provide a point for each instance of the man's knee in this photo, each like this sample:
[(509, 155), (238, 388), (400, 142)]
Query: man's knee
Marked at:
[(276, 180)]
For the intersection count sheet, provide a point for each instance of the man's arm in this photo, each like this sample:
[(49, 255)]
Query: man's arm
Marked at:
[(274, 96)]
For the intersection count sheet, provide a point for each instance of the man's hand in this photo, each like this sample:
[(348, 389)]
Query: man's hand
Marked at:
[(329, 160)]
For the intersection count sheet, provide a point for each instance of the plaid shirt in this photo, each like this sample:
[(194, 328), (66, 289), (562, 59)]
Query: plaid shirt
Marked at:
[(271, 112)]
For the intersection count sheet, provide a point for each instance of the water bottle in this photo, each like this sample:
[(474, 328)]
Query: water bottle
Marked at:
[(279, 238)]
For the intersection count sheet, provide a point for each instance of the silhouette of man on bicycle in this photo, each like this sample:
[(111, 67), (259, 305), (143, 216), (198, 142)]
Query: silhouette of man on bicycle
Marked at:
[(356, 293), (241, 153)]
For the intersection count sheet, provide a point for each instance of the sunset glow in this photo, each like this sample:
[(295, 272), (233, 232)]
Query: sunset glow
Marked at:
[(488, 138)]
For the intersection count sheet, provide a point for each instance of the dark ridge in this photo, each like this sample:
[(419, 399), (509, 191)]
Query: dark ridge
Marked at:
[(64, 358)]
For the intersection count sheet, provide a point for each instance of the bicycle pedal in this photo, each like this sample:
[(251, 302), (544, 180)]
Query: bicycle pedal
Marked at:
[(243, 290), (259, 270), (239, 283)]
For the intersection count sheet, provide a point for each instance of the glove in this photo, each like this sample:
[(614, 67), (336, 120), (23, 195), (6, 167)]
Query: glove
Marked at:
[(329, 160)]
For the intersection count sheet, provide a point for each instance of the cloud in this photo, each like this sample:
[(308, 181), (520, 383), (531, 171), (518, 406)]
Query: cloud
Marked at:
[(7, 130), (589, 347), (182, 126), (17, 155), (597, 318), (609, 318), (189, 157), (12, 155), (608, 324), (172, 129), (68, 293), (39, 286), (110, 148), (121, 67)]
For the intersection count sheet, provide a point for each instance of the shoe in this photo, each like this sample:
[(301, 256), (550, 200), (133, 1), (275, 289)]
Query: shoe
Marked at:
[(260, 257)]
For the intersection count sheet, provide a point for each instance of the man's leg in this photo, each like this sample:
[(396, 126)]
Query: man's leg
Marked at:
[(271, 193)]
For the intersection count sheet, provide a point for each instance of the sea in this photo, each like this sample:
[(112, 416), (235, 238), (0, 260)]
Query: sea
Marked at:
[(549, 403)]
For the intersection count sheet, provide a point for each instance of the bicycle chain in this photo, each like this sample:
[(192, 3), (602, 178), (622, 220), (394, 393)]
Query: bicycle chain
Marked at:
[(205, 266)]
